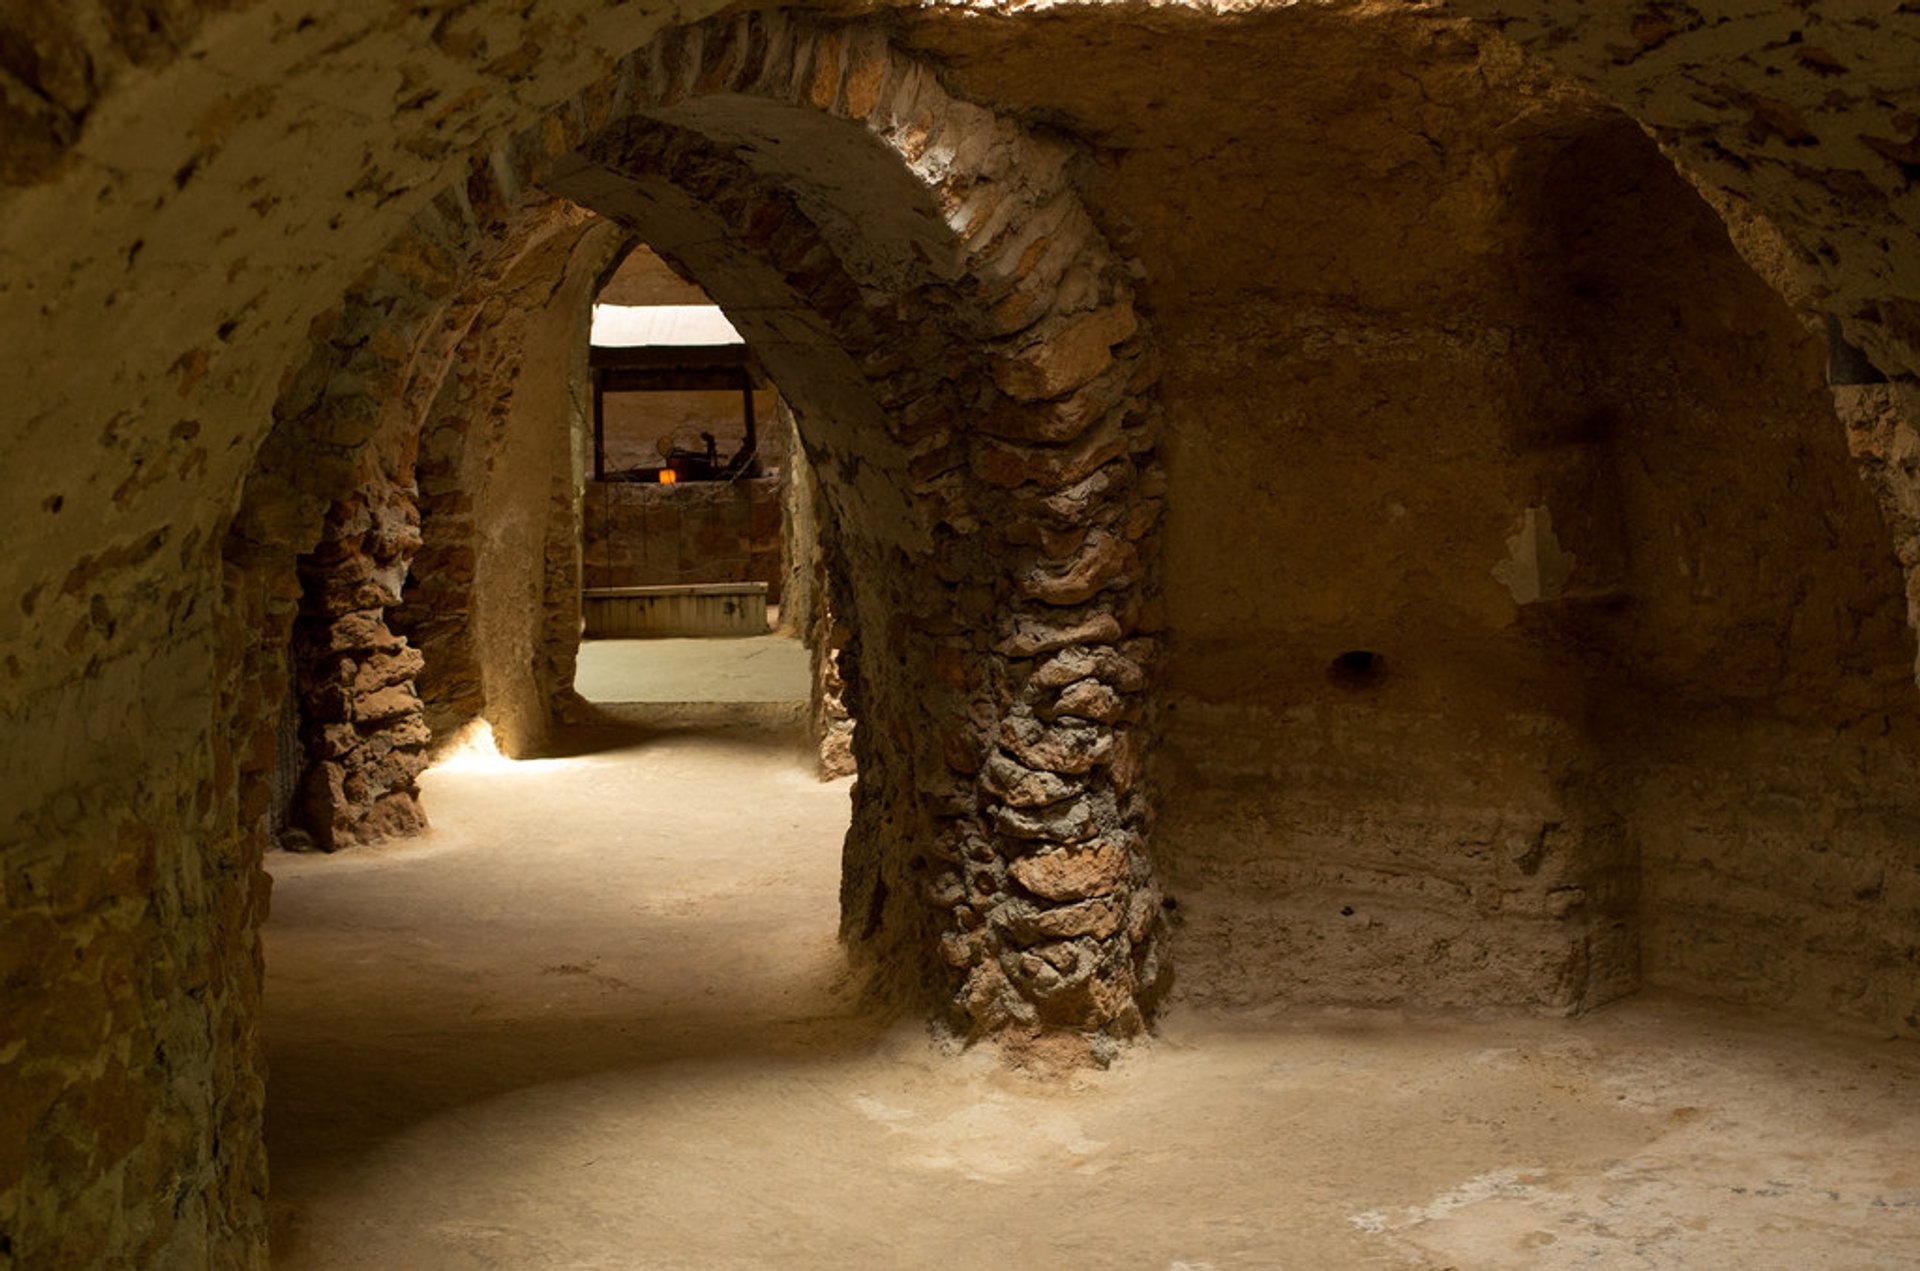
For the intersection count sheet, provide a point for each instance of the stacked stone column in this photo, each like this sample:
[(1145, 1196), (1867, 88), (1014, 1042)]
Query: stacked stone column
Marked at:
[(1056, 920), (362, 726)]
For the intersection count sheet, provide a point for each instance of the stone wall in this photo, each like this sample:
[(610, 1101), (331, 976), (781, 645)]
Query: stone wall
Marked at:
[(493, 599), (362, 732), (1379, 779), (806, 606), (1757, 706), (187, 190), (1781, 869), (487, 421), (635, 423), (639, 534), (1498, 402)]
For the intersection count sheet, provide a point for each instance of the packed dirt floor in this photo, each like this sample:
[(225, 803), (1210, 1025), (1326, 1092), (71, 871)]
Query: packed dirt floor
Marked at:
[(597, 1018), (767, 668)]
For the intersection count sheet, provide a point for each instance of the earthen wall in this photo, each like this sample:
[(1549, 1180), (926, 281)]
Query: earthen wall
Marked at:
[(645, 535), (1482, 388)]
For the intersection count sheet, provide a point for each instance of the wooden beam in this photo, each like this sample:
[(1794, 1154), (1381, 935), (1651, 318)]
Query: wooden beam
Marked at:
[(649, 356), (675, 380)]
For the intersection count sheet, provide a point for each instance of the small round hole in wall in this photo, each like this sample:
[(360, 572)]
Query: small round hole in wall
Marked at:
[(1357, 668)]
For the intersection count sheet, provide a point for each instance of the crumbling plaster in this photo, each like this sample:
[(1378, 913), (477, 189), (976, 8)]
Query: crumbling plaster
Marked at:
[(1807, 117)]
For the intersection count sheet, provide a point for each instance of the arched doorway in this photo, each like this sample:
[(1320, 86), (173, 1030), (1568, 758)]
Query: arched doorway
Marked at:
[(973, 387)]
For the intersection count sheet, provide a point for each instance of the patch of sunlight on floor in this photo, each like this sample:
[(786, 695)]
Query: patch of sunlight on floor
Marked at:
[(769, 668)]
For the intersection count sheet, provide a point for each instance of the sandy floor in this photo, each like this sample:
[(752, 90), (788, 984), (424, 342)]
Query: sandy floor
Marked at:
[(766, 668), (597, 1020)]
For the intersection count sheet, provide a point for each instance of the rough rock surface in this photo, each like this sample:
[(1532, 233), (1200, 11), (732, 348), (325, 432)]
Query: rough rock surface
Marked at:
[(1484, 402), (362, 729)]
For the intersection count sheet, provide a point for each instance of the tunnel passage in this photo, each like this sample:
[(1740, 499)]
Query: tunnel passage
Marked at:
[(179, 210), (909, 363), (973, 387)]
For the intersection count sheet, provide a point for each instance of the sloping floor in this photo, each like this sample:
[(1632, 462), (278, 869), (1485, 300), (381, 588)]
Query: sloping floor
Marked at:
[(597, 1019)]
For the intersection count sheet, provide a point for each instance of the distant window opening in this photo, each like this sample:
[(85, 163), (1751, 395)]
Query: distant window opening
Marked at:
[(685, 517), (677, 395)]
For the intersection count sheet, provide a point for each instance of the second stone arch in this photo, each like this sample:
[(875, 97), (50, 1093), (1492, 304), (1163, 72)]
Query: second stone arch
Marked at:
[(975, 388)]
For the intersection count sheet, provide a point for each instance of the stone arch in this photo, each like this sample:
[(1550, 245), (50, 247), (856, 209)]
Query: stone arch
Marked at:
[(329, 521), (493, 598), (974, 385)]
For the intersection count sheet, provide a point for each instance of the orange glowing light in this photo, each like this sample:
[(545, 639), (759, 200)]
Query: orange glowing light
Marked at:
[(668, 476)]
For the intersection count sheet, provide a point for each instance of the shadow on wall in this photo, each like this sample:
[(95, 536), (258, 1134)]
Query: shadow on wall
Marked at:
[(1580, 659), (1739, 608)]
